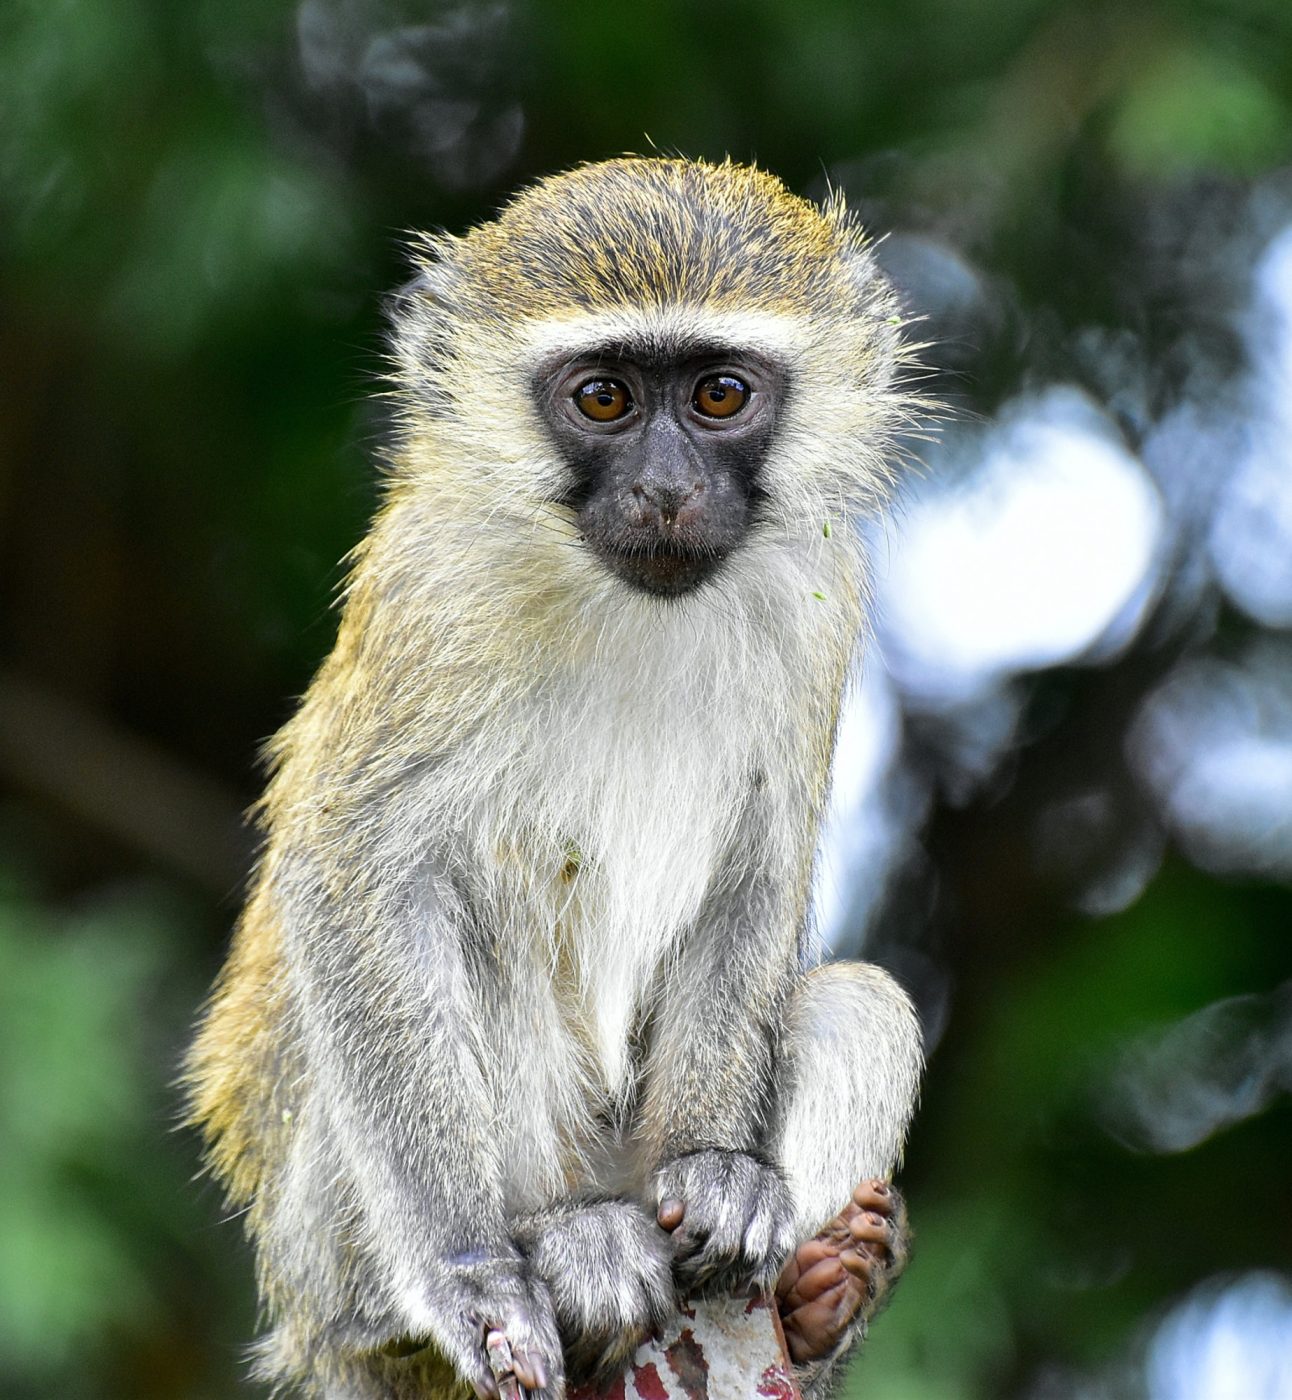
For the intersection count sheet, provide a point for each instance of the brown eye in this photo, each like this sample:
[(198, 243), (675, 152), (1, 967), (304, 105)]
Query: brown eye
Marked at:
[(603, 400), (720, 396)]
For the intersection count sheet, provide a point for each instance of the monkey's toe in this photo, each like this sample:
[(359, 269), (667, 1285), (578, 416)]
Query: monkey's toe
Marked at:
[(834, 1281)]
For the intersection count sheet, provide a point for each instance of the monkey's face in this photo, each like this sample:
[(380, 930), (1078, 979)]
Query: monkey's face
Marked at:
[(664, 455)]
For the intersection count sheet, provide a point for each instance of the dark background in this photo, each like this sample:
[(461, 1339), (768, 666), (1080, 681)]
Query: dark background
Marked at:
[(1067, 820)]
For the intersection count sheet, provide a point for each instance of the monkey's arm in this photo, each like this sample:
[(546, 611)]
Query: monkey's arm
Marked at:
[(709, 1071), (710, 1085), (392, 1043)]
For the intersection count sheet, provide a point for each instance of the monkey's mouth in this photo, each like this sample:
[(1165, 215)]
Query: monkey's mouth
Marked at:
[(667, 569), (663, 558)]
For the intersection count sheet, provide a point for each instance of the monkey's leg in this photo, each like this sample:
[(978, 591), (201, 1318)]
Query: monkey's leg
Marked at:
[(845, 1085), (837, 1280)]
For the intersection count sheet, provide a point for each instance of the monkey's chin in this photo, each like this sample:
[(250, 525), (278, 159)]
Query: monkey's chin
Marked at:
[(664, 574)]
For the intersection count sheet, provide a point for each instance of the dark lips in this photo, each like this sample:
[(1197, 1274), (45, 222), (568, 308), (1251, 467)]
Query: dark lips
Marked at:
[(665, 572)]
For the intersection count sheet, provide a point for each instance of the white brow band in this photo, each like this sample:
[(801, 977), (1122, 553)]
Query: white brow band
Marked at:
[(679, 325)]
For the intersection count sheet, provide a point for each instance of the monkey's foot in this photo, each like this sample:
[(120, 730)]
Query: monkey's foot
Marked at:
[(836, 1280)]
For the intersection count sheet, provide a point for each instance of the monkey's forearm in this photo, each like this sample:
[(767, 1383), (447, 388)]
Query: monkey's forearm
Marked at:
[(390, 1040), (709, 1093), (709, 1077)]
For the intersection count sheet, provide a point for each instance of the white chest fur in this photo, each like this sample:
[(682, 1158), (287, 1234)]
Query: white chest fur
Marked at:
[(625, 781)]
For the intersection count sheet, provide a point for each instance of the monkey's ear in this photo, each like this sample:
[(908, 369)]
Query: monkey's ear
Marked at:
[(876, 313), (430, 287), (857, 253), (864, 270), (422, 310), (400, 302)]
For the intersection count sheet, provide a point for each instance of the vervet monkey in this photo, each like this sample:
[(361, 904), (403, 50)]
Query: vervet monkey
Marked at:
[(520, 1029)]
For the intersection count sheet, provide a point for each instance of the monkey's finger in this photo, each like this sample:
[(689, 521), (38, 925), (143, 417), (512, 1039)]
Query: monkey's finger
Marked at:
[(498, 1352), (862, 1267), (725, 1250), (529, 1370), (789, 1274), (835, 1308), (813, 1252), (821, 1278), (688, 1243), (671, 1213), (511, 1374), (833, 1312), (767, 1242), (701, 1252), (697, 1265), (827, 1245), (836, 1229)]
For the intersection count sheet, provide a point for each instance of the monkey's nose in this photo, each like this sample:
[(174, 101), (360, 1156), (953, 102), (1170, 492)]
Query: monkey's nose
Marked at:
[(667, 500)]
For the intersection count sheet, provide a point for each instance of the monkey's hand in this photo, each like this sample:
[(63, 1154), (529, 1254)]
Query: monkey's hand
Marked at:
[(474, 1293), (607, 1268), (731, 1218)]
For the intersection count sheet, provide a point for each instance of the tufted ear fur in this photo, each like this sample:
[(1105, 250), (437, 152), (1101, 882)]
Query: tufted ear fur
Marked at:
[(421, 313)]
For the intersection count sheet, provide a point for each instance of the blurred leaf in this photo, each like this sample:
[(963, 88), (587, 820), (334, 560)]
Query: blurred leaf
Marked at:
[(222, 221), (87, 1194), (1199, 109)]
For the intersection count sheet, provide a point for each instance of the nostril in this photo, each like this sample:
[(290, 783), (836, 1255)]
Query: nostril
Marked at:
[(664, 502)]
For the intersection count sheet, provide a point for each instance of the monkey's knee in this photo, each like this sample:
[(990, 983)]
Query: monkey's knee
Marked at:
[(846, 1084)]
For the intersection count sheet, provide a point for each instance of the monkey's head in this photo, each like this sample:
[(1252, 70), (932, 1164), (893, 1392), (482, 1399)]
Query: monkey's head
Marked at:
[(673, 358)]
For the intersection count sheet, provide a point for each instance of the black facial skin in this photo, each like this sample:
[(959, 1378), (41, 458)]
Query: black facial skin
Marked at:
[(666, 492)]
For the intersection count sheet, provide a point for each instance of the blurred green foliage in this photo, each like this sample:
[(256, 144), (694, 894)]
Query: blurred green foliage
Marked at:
[(200, 206), (107, 1254), (1038, 1234)]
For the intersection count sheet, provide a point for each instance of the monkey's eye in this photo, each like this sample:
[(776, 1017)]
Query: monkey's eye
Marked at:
[(603, 400), (720, 396)]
